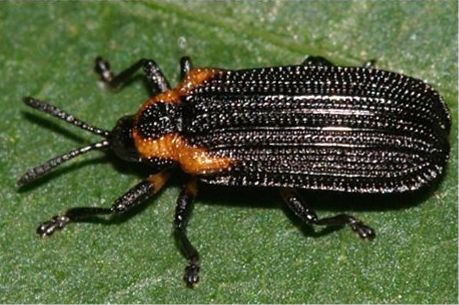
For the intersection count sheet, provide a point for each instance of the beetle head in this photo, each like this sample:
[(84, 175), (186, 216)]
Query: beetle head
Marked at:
[(121, 141)]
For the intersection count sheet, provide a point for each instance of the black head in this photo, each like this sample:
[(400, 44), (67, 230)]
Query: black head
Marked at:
[(119, 140)]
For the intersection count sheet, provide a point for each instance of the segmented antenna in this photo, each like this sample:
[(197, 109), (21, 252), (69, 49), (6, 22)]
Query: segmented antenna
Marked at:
[(40, 170), (62, 115)]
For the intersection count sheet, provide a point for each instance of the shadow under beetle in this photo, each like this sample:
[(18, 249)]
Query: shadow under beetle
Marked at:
[(310, 126)]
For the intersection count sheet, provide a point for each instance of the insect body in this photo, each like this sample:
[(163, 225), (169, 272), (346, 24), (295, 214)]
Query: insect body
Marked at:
[(311, 126)]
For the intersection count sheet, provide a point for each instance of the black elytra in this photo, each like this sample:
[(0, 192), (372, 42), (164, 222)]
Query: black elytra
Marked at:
[(312, 126)]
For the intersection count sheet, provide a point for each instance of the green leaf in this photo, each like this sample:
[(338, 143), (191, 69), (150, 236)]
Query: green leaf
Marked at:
[(250, 251)]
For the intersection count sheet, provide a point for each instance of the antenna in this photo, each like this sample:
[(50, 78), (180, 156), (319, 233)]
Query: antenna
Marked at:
[(42, 169), (64, 116)]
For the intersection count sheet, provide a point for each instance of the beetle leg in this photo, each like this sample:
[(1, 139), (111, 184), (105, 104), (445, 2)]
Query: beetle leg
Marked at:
[(321, 61), (151, 69), (134, 197), (298, 205), (185, 66), (369, 63), (316, 61), (182, 212)]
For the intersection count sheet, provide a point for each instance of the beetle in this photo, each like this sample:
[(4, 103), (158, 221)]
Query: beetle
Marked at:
[(313, 126)]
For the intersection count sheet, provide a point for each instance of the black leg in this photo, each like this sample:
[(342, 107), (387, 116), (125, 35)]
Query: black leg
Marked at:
[(182, 212), (307, 214), (370, 63), (151, 70), (134, 197), (316, 61), (185, 66), (155, 75), (321, 61)]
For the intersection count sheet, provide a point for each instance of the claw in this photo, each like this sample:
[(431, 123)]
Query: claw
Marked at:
[(363, 230), (102, 67), (56, 223), (191, 276)]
